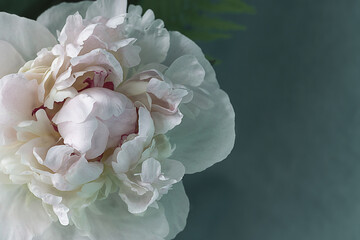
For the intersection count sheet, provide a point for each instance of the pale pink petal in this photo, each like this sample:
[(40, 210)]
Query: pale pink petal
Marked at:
[(99, 141), (77, 110), (10, 60), (79, 135), (130, 152)]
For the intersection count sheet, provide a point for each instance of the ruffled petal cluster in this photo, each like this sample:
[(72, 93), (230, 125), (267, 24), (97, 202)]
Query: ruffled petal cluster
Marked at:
[(94, 120), (103, 113)]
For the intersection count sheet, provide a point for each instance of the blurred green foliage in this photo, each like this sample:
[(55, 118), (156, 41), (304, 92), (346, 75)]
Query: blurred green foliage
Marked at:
[(28, 8), (199, 19)]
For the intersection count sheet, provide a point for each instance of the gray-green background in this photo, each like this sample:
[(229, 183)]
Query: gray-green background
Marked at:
[(294, 80), (294, 174)]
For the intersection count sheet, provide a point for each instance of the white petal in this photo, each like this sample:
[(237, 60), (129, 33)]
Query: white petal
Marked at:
[(125, 157), (164, 123), (152, 37), (137, 204), (55, 17), (106, 8), (173, 169), (176, 205), (83, 172), (70, 33), (186, 70), (165, 106), (167, 93), (109, 219), (130, 152), (11, 166), (129, 56), (71, 170), (30, 36), (22, 215), (209, 137), (58, 232), (180, 46), (10, 60), (43, 192), (150, 170), (57, 156)]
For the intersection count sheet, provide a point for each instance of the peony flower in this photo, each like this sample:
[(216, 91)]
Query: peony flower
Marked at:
[(103, 113)]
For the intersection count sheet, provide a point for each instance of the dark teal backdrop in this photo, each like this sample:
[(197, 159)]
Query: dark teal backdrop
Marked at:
[(294, 80), (294, 174)]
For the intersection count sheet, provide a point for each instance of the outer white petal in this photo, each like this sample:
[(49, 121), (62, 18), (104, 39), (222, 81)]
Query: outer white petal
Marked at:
[(176, 205), (22, 215), (109, 219), (151, 35), (180, 46), (58, 232), (209, 137), (186, 70), (157, 38), (55, 17), (10, 60), (30, 35), (106, 8), (172, 169)]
